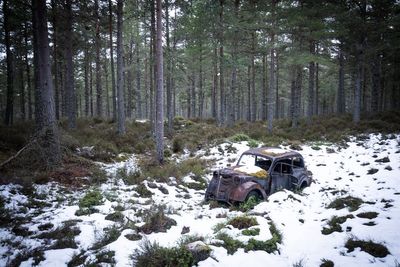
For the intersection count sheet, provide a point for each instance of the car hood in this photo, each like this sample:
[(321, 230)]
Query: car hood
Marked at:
[(243, 170)]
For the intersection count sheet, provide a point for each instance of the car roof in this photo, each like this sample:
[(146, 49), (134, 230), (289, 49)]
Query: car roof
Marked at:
[(272, 152)]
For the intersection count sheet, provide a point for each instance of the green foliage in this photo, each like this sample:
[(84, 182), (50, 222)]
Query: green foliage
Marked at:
[(153, 255), (64, 235), (115, 217), (368, 215), (334, 224), (240, 137), (326, 263), (251, 232), (249, 204), (218, 227), (142, 190), (243, 222), (229, 243), (157, 221), (375, 249), (91, 198), (109, 235), (252, 143), (352, 203)]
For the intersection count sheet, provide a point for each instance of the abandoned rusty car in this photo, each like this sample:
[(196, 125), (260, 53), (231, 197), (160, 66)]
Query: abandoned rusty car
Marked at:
[(259, 172)]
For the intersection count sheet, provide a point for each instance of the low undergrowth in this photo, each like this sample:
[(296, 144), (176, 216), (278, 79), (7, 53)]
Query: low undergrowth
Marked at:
[(375, 249), (157, 221), (335, 224), (352, 203), (242, 222)]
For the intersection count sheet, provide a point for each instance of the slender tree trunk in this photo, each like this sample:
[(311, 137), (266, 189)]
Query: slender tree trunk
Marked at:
[(214, 108), (120, 70), (249, 93), (277, 102), (253, 79), (311, 80), (55, 58), (169, 70), (22, 90), (271, 91), (193, 95), (91, 90), (107, 96), (358, 83), (201, 93), (152, 65), (139, 105), (129, 79), (376, 90), (341, 93), (8, 119), (160, 88), (316, 111), (264, 89), (28, 75), (221, 64), (114, 100), (86, 73), (69, 69), (296, 96), (99, 90), (45, 119)]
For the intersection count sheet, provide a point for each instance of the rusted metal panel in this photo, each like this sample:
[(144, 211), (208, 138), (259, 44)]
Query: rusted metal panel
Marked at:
[(240, 192)]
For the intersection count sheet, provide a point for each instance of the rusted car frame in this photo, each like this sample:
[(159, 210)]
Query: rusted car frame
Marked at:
[(272, 170)]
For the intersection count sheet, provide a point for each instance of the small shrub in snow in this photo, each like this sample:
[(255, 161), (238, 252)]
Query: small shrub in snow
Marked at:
[(240, 137), (156, 221), (368, 215), (153, 255), (229, 243), (249, 204), (243, 222), (115, 217), (108, 236), (334, 224), (142, 190), (326, 263), (251, 232), (375, 249), (352, 203), (252, 143), (78, 259), (92, 198)]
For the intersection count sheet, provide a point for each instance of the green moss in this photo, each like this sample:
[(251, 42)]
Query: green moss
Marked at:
[(115, 217), (368, 215), (372, 248)]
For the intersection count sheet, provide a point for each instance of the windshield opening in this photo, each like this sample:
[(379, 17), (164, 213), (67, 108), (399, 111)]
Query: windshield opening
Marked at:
[(253, 160)]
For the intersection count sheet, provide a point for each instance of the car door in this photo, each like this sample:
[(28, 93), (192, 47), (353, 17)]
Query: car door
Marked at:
[(282, 175)]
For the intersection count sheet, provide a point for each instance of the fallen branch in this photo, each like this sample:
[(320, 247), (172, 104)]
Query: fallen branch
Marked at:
[(17, 154)]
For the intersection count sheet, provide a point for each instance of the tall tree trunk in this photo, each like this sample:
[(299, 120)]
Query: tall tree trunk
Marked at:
[(201, 93), (99, 90), (193, 95), (91, 89), (45, 119), (28, 74), (139, 109), (70, 93), (358, 82), (341, 94), (22, 90), (55, 58), (311, 80), (214, 107), (277, 102), (271, 91), (120, 70), (316, 106), (160, 89), (221, 64), (86, 73), (296, 95), (152, 65), (253, 78), (248, 93), (169, 70), (114, 100), (129, 79), (264, 89), (376, 90), (8, 119), (105, 74)]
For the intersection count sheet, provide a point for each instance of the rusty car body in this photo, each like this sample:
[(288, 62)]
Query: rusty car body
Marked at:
[(259, 172)]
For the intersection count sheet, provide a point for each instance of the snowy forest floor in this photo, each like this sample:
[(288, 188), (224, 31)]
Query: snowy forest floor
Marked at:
[(349, 216)]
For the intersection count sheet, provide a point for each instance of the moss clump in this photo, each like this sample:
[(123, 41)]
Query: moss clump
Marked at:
[(251, 232), (92, 198), (334, 224), (372, 248), (352, 203), (153, 255), (368, 215), (243, 222)]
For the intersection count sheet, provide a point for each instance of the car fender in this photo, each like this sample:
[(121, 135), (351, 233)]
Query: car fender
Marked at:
[(240, 192)]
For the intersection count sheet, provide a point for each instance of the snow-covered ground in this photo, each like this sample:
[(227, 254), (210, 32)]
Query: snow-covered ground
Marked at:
[(338, 171)]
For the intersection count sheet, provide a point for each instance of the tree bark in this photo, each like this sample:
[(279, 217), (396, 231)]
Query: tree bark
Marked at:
[(311, 80), (139, 109), (70, 93), (253, 78), (169, 70), (341, 94), (114, 100), (221, 63), (214, 107), (45, 111), (56, 58), (28, 74), (160, 89), (8, 119), (376, 89), (271, 91), (86, 78), (120, 70), (99, 90)]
